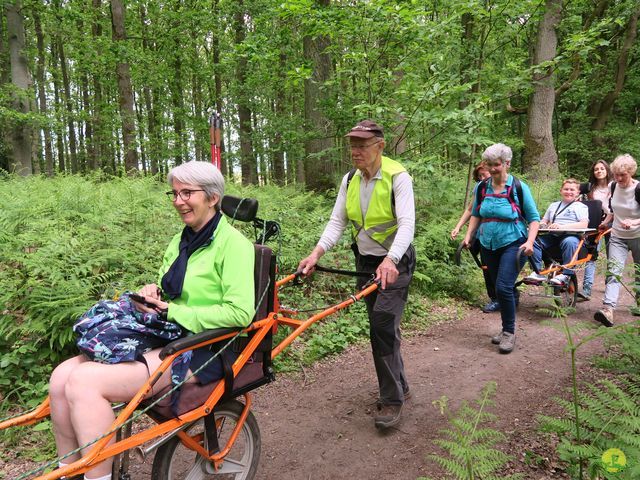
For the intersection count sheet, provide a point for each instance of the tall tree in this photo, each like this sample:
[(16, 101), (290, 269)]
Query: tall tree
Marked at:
[(603, 109), (21, 132), (248, 164), (42, 97), (73, 145), (318, 148), (540, 157), (125, 91)]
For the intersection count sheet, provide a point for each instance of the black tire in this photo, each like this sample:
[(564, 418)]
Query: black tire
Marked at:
[(173, 461), (567, 295)]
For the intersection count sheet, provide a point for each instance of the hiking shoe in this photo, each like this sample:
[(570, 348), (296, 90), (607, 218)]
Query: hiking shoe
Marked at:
[(492, 306), (496, 339), (560, 280), (507, 342), (388, 416), (535, 277), (604, 316), (584, 296)]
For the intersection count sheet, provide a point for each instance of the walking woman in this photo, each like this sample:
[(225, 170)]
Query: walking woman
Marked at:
[(500, 217), (625, 233), (480, 172), (596, 189)]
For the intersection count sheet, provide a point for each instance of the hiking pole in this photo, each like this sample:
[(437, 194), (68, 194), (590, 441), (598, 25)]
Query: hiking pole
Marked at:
[(215, 128)]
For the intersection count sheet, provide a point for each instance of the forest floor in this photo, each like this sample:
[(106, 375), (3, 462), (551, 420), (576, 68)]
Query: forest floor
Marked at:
[(318, 424)]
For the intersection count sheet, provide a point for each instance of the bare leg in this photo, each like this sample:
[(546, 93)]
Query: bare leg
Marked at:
[(63, 432), (93, 386)]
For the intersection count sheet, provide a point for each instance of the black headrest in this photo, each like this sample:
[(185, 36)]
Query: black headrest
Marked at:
[(243, 209)]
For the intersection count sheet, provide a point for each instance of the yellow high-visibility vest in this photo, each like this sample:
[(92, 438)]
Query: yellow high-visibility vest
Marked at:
[(380, 223)]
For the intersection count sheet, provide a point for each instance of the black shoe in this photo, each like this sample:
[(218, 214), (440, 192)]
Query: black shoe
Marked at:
[(492, 306)]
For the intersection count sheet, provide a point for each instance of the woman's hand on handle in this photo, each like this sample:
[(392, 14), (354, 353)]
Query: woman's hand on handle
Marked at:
[(527, 248)]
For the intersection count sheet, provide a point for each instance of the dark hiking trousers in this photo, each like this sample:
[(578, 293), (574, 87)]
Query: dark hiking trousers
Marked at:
[(385, 309)]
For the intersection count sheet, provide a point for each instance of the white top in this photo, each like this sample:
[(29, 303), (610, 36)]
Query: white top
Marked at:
[(405, 213), (563, 213), (603, 195), (625, 207)]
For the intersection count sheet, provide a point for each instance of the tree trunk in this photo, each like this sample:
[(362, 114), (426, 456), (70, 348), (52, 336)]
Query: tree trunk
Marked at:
[(97, 144), (226, 167), (318, 148), (125, 92), (153, 150), (540, 157), (247, 158), (73, 145), (21, 133), (42, 97), (604, 108), (59, 133), (277, 147)]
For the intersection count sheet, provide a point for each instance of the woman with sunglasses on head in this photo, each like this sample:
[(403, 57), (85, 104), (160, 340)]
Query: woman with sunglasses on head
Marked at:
[(597, 188), (205, 281)]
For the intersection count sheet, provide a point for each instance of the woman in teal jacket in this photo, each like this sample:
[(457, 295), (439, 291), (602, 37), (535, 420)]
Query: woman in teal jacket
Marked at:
[(206, 281), (499, 219)]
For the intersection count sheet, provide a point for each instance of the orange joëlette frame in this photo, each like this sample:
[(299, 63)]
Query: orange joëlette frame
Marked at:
[(575, 262), (101, 450)]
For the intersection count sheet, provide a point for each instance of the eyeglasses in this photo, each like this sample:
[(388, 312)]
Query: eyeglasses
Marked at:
[(184, 194), (363, 147)]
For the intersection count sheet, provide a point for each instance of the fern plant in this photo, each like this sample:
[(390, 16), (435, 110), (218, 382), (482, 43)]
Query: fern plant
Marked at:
[(470, 444), (602, 416)]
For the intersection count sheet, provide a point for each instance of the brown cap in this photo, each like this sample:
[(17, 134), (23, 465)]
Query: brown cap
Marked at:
[(366, 129)]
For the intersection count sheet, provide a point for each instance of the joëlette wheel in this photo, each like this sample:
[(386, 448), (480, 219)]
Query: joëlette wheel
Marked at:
[(174, 461)]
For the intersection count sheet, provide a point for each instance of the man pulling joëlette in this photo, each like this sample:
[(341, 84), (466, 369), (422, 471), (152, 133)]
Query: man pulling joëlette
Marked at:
[(376, 200)]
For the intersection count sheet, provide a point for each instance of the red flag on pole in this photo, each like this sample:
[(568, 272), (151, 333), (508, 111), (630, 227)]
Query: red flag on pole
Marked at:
[(215, 130)]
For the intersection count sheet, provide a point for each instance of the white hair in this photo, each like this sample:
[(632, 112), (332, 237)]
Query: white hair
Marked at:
[(497, 151), (624, 164), (203, 174)]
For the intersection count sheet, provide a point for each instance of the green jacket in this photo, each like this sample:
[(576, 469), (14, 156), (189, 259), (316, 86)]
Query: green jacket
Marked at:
[(218, 289)]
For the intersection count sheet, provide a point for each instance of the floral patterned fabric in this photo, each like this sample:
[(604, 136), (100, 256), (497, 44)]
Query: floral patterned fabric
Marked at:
[(114, 332)]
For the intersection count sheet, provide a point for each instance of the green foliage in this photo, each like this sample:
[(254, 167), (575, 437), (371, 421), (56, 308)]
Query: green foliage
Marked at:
[(470, 443), (67, 243), (604, 415)]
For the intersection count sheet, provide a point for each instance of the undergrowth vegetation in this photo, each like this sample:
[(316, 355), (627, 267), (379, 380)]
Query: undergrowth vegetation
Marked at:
[(602, 417), (71, 240)]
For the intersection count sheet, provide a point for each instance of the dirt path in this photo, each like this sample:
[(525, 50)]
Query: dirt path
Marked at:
[(320, 425)]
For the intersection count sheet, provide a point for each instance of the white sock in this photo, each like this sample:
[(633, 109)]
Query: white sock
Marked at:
[(106, 477)]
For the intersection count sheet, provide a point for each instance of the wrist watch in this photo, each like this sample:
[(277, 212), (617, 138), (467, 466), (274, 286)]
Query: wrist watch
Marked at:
[(394, 260)]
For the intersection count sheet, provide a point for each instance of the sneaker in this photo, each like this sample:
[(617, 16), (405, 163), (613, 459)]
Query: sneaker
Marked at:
[(496, 339), (507, 342), (535, 277), (388, 416), (584, 295), (604, 316), (560, 280), (492, 306)]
